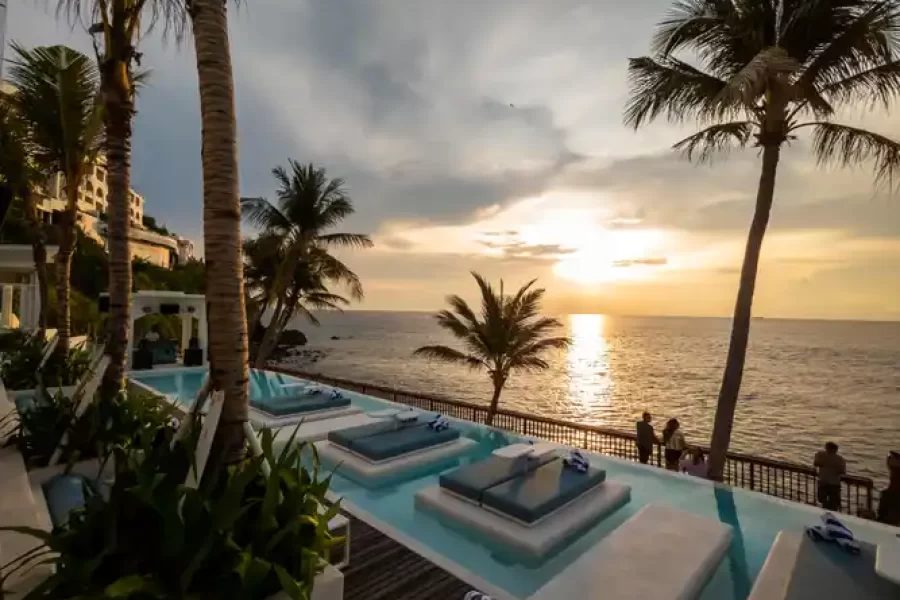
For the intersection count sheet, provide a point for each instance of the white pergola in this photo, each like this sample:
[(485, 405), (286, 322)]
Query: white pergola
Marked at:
[(18, 277), (190, 306)]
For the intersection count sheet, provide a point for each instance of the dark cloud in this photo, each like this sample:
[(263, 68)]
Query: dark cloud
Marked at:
[(518, 249)]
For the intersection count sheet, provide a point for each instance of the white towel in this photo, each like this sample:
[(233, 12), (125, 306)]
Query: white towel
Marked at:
[(514, 451), (542, 448), (408, 416)]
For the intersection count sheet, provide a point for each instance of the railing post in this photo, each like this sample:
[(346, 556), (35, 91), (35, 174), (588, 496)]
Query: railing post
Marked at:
[(752, 475)]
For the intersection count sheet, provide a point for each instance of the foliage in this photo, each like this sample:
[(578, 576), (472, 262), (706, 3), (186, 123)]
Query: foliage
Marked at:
[(13, 341), (189, 278), (104, 426), (151, 224), (767, 70), (508, 336), (289, 268), (18, 367), (244, 534)]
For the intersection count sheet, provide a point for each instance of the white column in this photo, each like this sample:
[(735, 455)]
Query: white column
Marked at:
[(26, 306), (186, 322), (203, 333), (6, 304)]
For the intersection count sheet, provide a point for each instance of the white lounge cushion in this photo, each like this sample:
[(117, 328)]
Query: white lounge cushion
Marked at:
[(543, 448), (513, 451), (385, 413), (887, 561), (262, 419), (407, 416), (365, 469), (660, 553), (314, 431)]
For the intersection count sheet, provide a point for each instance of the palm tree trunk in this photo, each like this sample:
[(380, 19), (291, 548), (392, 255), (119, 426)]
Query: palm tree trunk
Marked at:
[(495, 399), (39, 255), (270, 337), (64, 264), (119, 112), (740, 326), (222, 225)]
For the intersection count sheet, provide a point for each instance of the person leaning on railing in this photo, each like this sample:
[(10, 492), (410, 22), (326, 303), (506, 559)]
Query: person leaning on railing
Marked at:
[(889, 505)]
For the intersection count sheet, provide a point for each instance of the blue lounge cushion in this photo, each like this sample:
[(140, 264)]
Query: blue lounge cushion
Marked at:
[(472, 480), (66, 492), (534, 495), (346, 437), (403, 440), (300, 404)]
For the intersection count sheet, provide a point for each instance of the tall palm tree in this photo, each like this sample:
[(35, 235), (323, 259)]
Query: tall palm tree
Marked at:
[(57, 96), (226, 313), (509, 335), (118, 26), (309, 204), (20, 175), (764, 72)]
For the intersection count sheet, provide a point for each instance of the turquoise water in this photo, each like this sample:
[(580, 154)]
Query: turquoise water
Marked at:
[(756, 519), (266, 387)]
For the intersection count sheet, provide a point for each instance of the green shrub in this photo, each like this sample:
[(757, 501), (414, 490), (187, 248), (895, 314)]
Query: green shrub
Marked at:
[(104, 426), (244, 534), (19, 366), (13, 341)]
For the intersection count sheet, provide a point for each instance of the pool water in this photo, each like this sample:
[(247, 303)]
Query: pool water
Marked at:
[(756, 519)]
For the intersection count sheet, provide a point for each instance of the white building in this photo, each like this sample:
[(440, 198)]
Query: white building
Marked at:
[(185, 249)]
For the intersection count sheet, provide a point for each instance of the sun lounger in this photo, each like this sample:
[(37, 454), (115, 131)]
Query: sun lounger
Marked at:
[(535, 495), (300, 404), (798, 568), (471, 481), (660, 553), (346, 437), (389, 444)]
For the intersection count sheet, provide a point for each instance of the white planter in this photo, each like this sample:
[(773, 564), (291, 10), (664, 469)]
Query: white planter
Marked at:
[(329, 585)]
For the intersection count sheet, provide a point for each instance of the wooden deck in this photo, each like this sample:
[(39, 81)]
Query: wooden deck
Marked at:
[(383, 569)]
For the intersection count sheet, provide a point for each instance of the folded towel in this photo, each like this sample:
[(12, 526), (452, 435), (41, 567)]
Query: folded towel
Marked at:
[(577, 461), (476, 595), (313, 390), (439, 423), (336, 394), (834, 531)]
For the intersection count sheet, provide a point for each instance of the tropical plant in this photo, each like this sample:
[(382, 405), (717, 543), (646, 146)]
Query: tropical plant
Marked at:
[(106, 424), (510, 335), (226, 313), (309, 204), (19, 175), (61, 369), (57, 97), (764, 72), (246, 533)]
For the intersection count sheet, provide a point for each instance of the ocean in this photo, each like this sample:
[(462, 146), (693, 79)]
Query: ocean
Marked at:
[(805, 382)]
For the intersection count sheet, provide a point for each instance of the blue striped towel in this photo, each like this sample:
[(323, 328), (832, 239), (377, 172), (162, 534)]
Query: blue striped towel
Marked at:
[(576, 460), (439, 423), (476, 595)]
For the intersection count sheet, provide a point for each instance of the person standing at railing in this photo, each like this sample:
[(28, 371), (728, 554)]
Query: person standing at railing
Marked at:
[(889, 505), (832, 468), (674, 442), (646, 438)]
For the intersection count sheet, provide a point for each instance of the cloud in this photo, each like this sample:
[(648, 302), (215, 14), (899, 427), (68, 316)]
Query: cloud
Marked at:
[(642, 262)]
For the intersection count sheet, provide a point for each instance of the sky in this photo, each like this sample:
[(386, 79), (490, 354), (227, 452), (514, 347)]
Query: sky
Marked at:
[(488, 136)]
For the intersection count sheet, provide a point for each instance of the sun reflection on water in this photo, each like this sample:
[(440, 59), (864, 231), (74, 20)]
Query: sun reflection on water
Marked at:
[(590, 378)]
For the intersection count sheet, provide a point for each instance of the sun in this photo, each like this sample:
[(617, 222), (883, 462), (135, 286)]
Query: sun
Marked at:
[(611, 255)]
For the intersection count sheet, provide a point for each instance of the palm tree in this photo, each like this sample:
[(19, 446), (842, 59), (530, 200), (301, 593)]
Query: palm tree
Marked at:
[(510, 335), (118, 25), (57, 96), (19, 175), (309, 204), (768, 70), (226, 313)]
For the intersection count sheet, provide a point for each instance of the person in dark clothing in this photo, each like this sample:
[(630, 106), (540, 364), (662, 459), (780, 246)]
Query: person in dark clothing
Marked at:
[(674, 441), (646, 438), (889, 505), (831, 468)]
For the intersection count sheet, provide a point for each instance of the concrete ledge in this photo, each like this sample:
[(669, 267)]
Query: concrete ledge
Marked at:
[(658, 554), (361, 468), (315, 431), (263, 419), (775, 576)]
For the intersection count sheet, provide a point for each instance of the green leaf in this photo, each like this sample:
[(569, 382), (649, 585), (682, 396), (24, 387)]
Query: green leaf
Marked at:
[(129, 585), (288, 584)]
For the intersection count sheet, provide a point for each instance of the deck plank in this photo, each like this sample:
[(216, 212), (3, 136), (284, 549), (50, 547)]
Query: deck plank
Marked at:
[(383, 569)]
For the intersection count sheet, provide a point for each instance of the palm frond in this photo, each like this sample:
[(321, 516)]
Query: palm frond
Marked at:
[(704, 145), (449, 355), (463, 309), (752, 81), (846, 146), (669, 86), (346, 240), (879, 84), (449, 321), (261, 213)]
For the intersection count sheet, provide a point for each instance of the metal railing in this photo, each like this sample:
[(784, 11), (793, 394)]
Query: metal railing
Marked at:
[(777, 478)]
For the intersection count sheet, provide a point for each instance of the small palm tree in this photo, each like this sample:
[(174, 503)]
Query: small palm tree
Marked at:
[(58, 97), (510, 335), (309, 204), (768, 71)]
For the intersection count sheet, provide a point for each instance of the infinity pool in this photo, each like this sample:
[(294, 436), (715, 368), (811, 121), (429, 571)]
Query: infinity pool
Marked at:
[(756, 518)]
